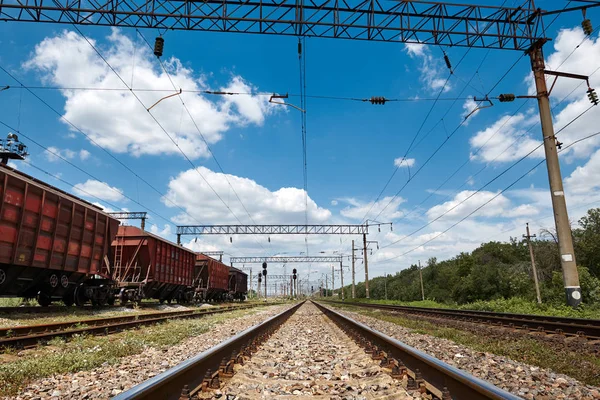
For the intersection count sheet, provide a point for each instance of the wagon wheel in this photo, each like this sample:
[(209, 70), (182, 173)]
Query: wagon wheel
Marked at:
[(53, 280), (2, 276), (69, 299), (79, 296)]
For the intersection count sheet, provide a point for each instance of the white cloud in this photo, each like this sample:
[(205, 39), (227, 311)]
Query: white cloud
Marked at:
[(585, 178), (432, 68), (334, 202), (388, 207), (164, 232), (116, 120), (285, 205), (53, 154), (404, 162), (468, 200), (97, 189), (84, 154), (506, 140)]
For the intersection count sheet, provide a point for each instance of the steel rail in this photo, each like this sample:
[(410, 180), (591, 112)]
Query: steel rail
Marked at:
[(191, 373), (437, 375), (66, 309), (24, 336), (583, 327)]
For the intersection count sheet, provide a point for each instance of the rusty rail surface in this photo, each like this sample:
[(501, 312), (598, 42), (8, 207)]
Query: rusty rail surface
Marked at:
[(25, 336), (424, 372), (204, 370), (88, 307), (588, 328)]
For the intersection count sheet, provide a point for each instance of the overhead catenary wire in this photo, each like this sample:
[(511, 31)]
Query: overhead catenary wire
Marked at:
[(214, 157), (96, 144), (58, 155), (157, 122)]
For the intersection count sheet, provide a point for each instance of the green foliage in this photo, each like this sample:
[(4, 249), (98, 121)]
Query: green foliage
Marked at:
[(498, 270)]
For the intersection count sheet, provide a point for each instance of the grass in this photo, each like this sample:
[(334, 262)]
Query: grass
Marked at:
[(88, 352), (16, 302), (582, 366), (513, 305)]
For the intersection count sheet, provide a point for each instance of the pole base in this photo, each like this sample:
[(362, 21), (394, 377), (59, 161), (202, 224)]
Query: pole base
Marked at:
[(573, 295)]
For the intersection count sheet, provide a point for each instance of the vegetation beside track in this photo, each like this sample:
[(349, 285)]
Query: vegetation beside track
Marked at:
[(583, 366), (87, 352)]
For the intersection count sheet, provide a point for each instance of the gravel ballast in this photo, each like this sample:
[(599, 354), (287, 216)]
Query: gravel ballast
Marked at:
[(310, 357), (527, 381), (109, 380)]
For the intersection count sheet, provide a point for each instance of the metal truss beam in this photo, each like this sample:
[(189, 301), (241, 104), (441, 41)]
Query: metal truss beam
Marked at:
[(272, 230), (281, 260), (425, 22), (129, 215)]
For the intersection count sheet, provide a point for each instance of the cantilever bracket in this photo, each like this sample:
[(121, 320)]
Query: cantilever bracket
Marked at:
[(556, 74), (166, 97), (283, 96), (480, 107)]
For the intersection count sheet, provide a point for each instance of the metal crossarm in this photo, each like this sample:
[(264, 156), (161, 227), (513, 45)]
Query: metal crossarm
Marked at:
[(298, 259), (272, 229), (425, 22)]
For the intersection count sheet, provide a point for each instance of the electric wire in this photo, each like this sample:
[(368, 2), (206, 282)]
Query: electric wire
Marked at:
[(202, 136), (58, 155), (95, 143)]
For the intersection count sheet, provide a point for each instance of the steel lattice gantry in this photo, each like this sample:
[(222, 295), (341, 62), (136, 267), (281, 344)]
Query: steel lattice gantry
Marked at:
[(293, 259), (424, 22), (271, 230)]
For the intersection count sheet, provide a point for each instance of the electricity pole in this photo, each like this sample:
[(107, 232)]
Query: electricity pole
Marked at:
[(326, 284), (421, 278), (535, 277), (559, 205), (332, 280), (353, 282), (385, 285), (366, 265), (250, 283), (342, 279)]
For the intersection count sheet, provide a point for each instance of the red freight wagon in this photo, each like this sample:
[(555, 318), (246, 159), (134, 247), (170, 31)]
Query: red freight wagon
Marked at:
[(238, 283), (211, 278), (52, 244), (148, 266)]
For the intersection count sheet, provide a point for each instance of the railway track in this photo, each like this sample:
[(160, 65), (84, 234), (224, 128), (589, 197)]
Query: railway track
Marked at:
[(65, 309), (32, 335), (579, 327), (261, 361)]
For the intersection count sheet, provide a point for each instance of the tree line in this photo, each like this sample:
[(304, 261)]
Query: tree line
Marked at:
[(497, 270)]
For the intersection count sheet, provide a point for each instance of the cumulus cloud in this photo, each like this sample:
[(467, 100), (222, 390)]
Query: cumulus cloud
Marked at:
[(505, 140), (334, 202), (468, 200), (586, 178), (431, 68), (191, 191), (116, 120), (164, 232), (404, 162), (97, 189), (387, 206), (53, 154)]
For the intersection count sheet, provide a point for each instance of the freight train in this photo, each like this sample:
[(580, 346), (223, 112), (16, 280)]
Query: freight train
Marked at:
[(55, 246)]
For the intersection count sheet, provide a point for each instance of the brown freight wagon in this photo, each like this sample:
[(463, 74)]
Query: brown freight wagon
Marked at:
[(211, 277), (238, 283), (148, 266), (52, 244)]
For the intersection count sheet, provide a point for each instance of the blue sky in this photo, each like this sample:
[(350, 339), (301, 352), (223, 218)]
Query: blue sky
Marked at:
[(351, 147)]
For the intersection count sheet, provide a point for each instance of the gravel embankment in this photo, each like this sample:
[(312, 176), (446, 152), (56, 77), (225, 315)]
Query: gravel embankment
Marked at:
[(110, 380), (524, 380), (309, 356)]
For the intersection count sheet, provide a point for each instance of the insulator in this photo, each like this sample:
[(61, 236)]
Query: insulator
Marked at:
[(504, 98), (299, 47), (586, 24), (378, 100), (447, 59), (593, 96), (269, 239), (159, 45), (230, 239)]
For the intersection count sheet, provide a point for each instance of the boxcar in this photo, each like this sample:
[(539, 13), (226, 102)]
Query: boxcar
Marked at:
[(238, 284), (148, 266), (211, 278), (52, 244)]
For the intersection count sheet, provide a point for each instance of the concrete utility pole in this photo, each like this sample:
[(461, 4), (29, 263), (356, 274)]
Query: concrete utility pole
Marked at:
[(353, 282), (332, 280), (421, 278), (559, 204), (250, 282), (366, 265), (528, 236), (342, 279)]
